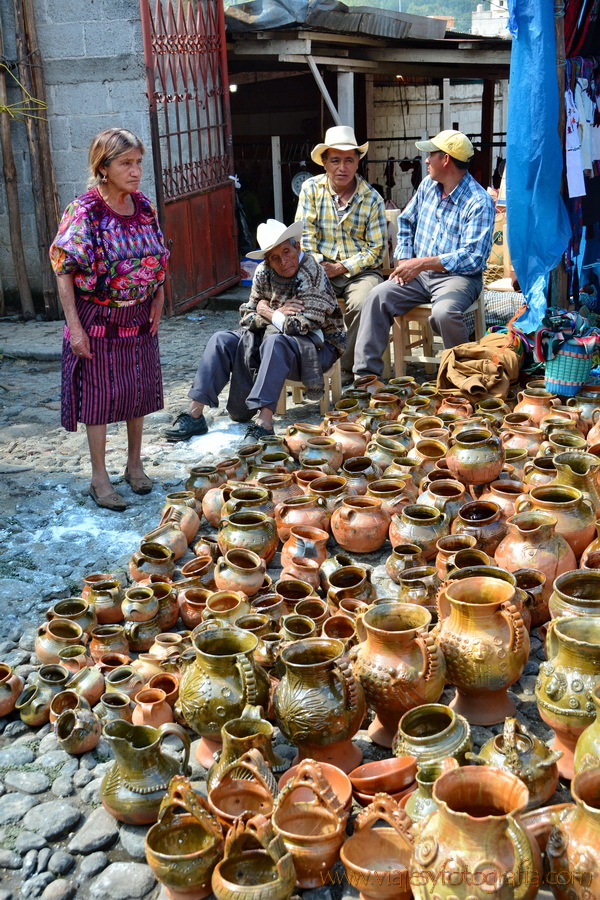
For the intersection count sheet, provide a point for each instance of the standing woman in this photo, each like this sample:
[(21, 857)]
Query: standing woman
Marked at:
[(109, 257)]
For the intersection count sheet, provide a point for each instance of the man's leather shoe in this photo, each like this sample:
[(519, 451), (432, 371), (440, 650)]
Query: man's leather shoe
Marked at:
[(185, 426)]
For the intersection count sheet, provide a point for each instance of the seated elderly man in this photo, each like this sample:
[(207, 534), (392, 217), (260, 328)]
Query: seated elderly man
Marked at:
[(291, 327)]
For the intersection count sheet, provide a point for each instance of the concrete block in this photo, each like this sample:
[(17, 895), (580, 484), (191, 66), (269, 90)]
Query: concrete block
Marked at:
[(109, 39), (85, 127), (70, 165), (65, 72), (60, 135), (88, 97), (60, 40), (128, 96), (120, 9), (68, 11)]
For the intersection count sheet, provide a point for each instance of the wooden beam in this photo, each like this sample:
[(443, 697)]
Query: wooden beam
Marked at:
[(270, 48), (323, 88), (440, 55), (345, 65), (487, 130), (255, 77)]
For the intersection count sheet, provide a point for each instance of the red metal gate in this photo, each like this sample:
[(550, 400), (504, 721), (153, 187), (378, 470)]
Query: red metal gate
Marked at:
[(188, 95)]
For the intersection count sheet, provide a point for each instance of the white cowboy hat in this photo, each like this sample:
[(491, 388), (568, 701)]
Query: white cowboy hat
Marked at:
[(340, 137), (271, 233)]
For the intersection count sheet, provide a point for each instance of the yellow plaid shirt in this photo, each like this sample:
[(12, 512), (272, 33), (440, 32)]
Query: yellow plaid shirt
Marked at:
[(356, 239)]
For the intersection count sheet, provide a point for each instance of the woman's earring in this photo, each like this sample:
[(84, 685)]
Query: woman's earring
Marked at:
[(103, 179)]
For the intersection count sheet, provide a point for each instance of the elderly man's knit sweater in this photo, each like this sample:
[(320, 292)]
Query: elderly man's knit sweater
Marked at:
[(310, 285)]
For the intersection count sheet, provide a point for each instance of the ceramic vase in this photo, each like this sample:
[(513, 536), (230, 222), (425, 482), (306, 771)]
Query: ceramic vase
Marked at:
[(151, 708), (572, 848), (575, 593), (483, 519)]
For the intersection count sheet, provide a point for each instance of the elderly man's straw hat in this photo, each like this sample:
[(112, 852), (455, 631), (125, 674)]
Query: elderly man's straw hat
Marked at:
[(271, 233), (340, 137)]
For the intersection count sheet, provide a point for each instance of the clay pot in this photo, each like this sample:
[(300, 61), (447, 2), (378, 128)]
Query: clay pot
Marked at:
[(360, 525), (447, 548), (536, 403), (572, 848), (78, 730), (114, 706), (476, 457), (331, 489), (341, 628), (91, 580), (522, 437), (586, 402), (484, 625), (533, 582), (168, 683), (168, 605), (350, 581), (246, 787), (319, 448), (151, 559), (580, 470), (151, 708), (398, 665), (225, 677), (213, 500), (307, 542), (201, 479), (264, 874), (249, 499), (353, 439), (185, 502), (248, 732), (123, 680), (587, 750), (476, 828), (76, 609), (383, 450), (168, 534), (135, 785), (369, 418), (140, 604), (315, 669), (280, 486), (312, 830), (298, 434), (407, 469), (575, 516), (208, 547), (313, 608), (240, 570), (420, 802), (377, 859), (532, 542), (55, 636), (390, 492), (296, 628), (420, 525), (303, 569), (482, 519), (66, 700), (302, 510), (140, 636), (445, 494), (521, 753), (33, 704), (504, 495), (593, 546), (575, 594), (88, 682), (186, 843), (192, 603), (360, 472), (292, 590), (226, 606), (271, 605), (233, 468), (565, 682), (11, 685), (419, 587), (332, 564), (516, 458), (106, 598), (249, 531), (108, 638), (494, 407), (403, 556)]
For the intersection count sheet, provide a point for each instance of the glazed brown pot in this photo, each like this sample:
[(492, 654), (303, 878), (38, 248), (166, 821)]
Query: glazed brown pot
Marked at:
[(322, 448), (331, 489), (307, 542), (580, 470), (350, 581), (76, 609), (390, 492), (201, 479), (482, 519), (248, 498), (360, 472), (420, 525), (522, 437), (447, 548), (504, 494), (245, 786), (574, 513), (303, 569), (54, 636), (106, 598), (151, 559), (536, 403), (298, 434), (575, 593), (281, 487), (11, 686), (250, 531), (360, 525), (301, 510), (108, 638), (352, 437), (476, 456), (445, 494), (403, 556), (240, 570), (78, 730)]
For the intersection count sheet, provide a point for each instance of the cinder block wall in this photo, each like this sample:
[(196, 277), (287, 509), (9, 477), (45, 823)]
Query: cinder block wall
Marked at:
[(95, 78)]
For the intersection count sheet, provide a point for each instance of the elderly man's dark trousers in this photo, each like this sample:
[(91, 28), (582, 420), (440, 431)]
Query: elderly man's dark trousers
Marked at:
[(279, 359)]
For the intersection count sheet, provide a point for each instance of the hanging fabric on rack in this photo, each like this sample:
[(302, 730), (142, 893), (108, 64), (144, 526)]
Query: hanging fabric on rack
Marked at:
[(390, 181), (574, 155)]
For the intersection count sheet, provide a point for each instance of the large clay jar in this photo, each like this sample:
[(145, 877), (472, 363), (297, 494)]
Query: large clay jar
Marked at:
[(322, 448), (398, 664), (420, 525), (298, 434), (532, 542), (248, 873), (486, 646), (186, 843), (140, 604), (201, 479), (331, 489), (55, 636), (580, 470), (352, 437), (521, 753), (240, 570), (218, 684), (522, 437), (572, 848), (377, 859), (483, 519), (476, 456), (106, 596), (314, 829), (136, 783), (301, 510), (249, 531), (390, 491), (476, 834), (565, 682), (360, 525), (536, 403), (575, 516), (402, 557), (248, 732), (11, 686), (249, 498), (76, 609), (307, 542), (587, 751), (151, 559), (318, 704), (78, 730)]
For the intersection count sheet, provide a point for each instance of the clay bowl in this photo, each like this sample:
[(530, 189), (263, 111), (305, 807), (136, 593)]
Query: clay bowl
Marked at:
[(365, 799), (387, 775), (231, 798), (376, 862), (339, 781)]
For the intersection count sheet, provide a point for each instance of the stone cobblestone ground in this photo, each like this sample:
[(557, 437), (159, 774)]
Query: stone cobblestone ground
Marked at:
[(56, 840)]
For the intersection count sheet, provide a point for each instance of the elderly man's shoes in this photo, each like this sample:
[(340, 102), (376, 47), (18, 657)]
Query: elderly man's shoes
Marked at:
[(185, 426)]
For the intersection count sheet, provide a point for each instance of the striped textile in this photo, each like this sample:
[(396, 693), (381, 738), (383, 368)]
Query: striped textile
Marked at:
[(123, 380)]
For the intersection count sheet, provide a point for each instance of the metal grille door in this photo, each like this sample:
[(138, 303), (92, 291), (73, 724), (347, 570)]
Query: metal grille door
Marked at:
[(188, 95)]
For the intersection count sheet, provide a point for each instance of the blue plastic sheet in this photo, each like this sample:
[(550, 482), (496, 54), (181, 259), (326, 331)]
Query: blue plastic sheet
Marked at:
[(538, 223)]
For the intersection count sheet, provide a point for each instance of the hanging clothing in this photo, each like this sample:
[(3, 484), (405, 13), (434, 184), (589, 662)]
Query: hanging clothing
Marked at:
[(574, 155)]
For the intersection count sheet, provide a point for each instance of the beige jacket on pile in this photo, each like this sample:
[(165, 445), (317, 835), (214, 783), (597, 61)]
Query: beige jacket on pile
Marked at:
[(479, 370)]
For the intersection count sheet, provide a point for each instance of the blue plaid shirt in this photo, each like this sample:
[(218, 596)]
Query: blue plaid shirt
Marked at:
[(457, 228)]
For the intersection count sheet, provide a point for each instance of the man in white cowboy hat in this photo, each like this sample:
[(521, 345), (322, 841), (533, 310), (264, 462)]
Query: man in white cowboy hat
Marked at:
[(291, 327), (444, 240), (344, 226)]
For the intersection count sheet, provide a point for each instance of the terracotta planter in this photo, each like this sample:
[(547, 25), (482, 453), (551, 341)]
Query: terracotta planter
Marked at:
[(476, 828), (240, 570), (186, 843), (575, 516), (486, 646), (398, 665), (11, 685), (315, 669), (420, 525), (249, 531), (483, 519), (565, 682), (360, 525)]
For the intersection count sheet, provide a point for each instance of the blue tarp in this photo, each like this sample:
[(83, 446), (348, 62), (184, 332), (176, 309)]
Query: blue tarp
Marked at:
[(538, 223)]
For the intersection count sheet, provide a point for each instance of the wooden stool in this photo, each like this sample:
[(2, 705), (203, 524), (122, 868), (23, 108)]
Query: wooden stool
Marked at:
[(406, 338), (333, 387)]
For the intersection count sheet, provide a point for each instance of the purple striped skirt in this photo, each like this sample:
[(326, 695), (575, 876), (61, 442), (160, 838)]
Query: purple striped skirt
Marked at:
[(123, 380)]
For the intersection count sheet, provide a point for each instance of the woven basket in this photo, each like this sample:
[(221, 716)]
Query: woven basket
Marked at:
[(569, 370)]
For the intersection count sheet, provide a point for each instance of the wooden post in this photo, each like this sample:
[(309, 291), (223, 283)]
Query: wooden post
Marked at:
[(40, 163), (277, 186), (345, 91), (12, 199), (487, 130)]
